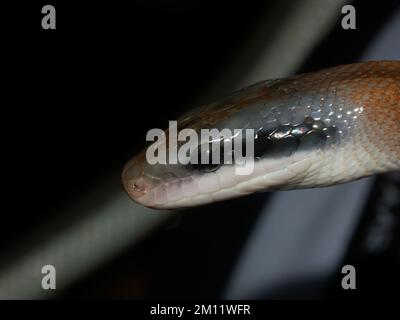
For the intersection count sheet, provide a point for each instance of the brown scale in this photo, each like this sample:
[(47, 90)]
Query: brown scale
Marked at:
[(373, 85)]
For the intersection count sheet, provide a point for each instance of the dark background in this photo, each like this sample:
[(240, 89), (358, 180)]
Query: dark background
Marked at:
[(78, 101)]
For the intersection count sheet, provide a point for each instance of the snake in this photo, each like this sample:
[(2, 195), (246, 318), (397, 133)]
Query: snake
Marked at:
[(311, 130)]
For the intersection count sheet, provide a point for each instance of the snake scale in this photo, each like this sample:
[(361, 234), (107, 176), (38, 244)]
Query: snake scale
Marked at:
[(311, 130)]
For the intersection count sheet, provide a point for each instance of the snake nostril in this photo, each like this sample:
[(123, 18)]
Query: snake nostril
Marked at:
[(133, 181), (136, 188), (139, 187)]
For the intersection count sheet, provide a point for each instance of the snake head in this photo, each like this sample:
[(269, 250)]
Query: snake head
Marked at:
[(311, 130)]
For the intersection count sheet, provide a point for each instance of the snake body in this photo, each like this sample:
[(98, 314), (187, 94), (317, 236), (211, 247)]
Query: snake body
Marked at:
[(314, 129)]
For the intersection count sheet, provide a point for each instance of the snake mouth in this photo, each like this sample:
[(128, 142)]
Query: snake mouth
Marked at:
[(211, 187)]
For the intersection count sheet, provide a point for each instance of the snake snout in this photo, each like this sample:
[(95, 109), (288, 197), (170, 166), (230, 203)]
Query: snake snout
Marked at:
[(138, 185), (136, 188)]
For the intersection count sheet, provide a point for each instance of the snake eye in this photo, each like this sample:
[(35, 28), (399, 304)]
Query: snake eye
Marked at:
[(205, 158), (206, 167)]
